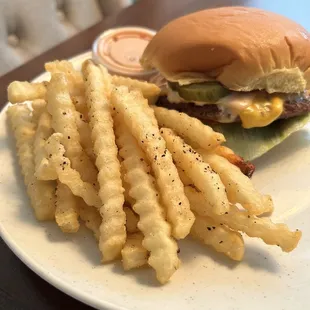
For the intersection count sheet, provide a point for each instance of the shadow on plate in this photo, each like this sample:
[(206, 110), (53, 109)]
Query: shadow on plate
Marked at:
[(258, 258), (83, 240), (255, 257), (144, 275), (190, 249)]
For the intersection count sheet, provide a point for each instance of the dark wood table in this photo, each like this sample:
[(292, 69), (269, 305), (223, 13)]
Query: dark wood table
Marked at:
[(20, 288)]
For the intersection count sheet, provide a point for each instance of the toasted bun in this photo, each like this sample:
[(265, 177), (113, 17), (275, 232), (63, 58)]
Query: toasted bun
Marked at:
[(242, 48)]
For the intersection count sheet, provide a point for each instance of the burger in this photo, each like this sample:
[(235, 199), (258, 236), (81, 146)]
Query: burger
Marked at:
[(243, 71)]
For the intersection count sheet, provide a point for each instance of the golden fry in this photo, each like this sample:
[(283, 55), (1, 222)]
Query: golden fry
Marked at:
[(149, 91), (112, 229), (189, 128), (38, 107), (140, 119), (66, 215), (134, 255), (66, 174), (246, 167), (157, 232), (43, 168), (239, 187), (63, 113), (85, 136), (41, 193), (25, 91), (264, 228), (203, 177), (221, 238), (74, 77), (81, 106), (91, 217)]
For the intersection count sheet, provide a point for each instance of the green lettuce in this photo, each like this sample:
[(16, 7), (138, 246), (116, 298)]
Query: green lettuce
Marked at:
[(252, 143)]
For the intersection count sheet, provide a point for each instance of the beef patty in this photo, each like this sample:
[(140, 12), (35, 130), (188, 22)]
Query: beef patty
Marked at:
[(294, 105)]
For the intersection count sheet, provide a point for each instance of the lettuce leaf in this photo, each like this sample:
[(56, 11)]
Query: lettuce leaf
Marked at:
[(252, 143)]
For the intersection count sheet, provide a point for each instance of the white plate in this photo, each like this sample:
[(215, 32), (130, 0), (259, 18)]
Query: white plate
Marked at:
[(266, 279)]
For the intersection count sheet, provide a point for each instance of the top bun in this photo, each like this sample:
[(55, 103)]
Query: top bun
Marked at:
[(242, 48)]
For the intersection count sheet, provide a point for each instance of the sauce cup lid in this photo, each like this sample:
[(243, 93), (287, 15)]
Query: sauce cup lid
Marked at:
[(120, 49)]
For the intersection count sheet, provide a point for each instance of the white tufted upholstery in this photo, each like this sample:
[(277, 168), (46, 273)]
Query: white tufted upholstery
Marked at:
[(29, 27)]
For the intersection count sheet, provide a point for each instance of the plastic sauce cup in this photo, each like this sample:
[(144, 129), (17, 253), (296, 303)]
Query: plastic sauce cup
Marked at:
[(119, 50)]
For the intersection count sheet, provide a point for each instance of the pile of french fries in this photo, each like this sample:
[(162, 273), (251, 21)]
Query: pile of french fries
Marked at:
[(92, 148)]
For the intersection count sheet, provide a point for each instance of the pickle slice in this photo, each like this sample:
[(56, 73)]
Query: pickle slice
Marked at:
[(208, 92)]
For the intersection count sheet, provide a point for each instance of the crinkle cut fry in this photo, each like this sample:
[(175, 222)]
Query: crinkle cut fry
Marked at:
[(24, 91), (41, 193), (112, 229), (20, 91), (133, 107), (246, 167), (85, 136), (220, 237), (149, 91), (157, 232), (80, 106), (239, 187), (203, 177), (189, 128), (38, 107), (134, 255), (60, 106), (263, 228), (91, 217), (74, 77), (67, 175), (43, 169), (66, 214)]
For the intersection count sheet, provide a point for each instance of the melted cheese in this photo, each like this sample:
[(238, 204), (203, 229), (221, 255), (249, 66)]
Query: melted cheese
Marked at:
[(261, 113)]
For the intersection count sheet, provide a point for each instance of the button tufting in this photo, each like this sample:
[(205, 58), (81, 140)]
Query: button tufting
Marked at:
[(13, 40), (61, 15)]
